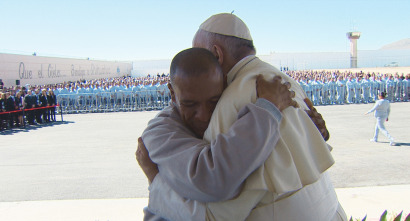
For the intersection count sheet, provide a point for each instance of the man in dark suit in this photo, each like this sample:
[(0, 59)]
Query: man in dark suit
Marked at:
[(29, 100), (37, 104), (9, 106)]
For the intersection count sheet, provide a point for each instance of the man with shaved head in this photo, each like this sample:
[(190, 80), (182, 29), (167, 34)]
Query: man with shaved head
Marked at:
[(291, 184), (196, 86)]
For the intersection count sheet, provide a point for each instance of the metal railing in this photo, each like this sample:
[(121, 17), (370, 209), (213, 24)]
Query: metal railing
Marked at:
[(113, 101)]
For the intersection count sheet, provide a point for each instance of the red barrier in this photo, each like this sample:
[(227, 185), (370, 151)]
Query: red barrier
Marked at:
[(30, 109)]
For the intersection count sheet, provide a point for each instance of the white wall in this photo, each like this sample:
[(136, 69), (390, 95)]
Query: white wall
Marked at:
[(152, 67), (36, 70)]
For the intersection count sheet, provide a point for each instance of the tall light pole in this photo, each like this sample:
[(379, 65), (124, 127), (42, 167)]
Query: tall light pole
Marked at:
[(353, 36)]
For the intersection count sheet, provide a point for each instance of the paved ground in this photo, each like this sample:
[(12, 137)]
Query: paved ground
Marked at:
[(84, 168)]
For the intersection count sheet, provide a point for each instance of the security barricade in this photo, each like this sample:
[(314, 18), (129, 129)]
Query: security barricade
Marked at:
[(113, 101), (7, 118)]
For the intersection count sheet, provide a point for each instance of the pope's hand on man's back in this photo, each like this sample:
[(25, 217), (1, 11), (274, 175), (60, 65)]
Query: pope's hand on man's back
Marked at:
[(276, 92)]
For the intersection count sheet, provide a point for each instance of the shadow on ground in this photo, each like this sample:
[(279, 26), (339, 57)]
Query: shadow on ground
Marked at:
[(403, 144), (28, 128)]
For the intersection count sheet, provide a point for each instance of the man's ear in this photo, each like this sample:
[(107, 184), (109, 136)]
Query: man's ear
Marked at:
[(217, 51), (171, 90)]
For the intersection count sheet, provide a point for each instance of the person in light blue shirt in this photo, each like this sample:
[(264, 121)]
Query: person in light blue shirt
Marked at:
[(365, 85), (62, 97), (105, 96), (406, 86), (308, 89), (144, 94), (81, 94), (399, 88), (128, 95), (374, 85), (382, 85), (325, 91), (97, 96), (332, 90), (72, 97), (317, 87), (390, 87), (381, 111), (89, 95), (358, 90), (136, 94), (162, 93), (341, 88), (351, 86)]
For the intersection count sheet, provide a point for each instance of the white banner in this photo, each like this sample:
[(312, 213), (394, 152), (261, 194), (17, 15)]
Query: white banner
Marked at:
[(36, 70)]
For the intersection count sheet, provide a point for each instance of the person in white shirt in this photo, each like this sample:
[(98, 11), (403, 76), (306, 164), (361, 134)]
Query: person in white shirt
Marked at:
[(381, 111)]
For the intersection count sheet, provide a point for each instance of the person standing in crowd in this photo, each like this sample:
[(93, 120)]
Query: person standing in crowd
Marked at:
[(399, 87), (381, 111), (406, 86), (341, 89), (38, 112), (19, 104), (29, 101), (365, 85), (43, 104), (382, 85), (332, 90), (9, 106), (52, 101), (136, 95), (390, 88), (325, 91), (350, 85), (358, 90), (3, 116), (317, 87), (374, 85), (308, 89)]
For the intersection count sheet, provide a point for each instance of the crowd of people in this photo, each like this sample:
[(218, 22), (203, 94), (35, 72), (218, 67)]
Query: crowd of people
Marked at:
[(116, 94), (36, 104), (335, 87), (20, 106)]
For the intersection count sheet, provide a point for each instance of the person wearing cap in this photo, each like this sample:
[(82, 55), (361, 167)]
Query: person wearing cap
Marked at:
[(292, 183), (381, 111)]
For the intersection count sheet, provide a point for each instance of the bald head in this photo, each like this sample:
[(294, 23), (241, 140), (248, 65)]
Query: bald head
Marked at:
[(193, 62), (196, 86)]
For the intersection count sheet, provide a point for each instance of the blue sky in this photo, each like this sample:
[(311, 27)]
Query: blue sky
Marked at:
[(145, 30)]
